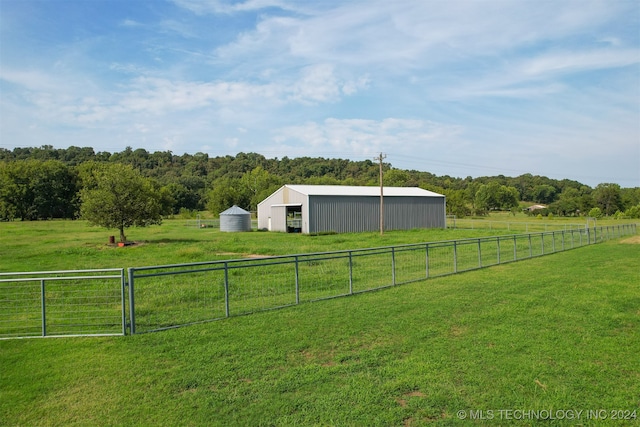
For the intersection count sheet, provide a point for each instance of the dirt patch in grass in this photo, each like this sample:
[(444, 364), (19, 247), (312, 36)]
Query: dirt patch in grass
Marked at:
[(241, 255), (403, 401), (632, 240), (238, 255)]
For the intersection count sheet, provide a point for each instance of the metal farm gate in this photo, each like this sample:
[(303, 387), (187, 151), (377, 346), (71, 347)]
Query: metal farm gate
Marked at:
[(62, 303)]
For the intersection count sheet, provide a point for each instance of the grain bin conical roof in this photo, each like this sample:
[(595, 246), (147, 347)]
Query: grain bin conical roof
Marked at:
[(235, 210)]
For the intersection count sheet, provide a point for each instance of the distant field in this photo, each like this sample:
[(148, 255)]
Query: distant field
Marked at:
[(558, 333), (55, 245)]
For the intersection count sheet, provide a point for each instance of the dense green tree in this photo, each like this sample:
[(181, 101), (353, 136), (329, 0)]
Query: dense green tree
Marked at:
[(227, 192), (396, 178), (37, 189), (544, 193), (257, 185), (595, 213), (567, 203), (456, 203), (183, 197), (633, 211), (493, 196), (630, 197), (120, 198), (186, 181), (607, 198)]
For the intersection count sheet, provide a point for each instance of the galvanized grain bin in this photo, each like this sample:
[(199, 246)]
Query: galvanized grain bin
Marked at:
[(235, 219)]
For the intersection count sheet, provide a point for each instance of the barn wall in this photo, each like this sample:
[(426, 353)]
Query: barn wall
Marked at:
[(406, 213), (345, 214), (264, 208)]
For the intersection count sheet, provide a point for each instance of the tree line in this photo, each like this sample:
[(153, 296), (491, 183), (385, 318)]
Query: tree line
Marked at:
[(44, 183)]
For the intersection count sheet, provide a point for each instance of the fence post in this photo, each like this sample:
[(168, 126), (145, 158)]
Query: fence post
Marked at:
[(426, 260), (530, 247), (226, 289), (542, 242), (393, 266), (498, 243), (44, 311), (479, 255), (123, 284), (132, 305), (350, 274), (297, 273), (515, 248), (455, 257)]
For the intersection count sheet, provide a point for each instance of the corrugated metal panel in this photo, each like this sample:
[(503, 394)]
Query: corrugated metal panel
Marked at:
[(356, 214), (406, 213), (343, 214)]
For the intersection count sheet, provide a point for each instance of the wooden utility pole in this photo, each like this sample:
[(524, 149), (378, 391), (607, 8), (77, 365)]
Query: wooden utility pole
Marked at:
[(380, 158)]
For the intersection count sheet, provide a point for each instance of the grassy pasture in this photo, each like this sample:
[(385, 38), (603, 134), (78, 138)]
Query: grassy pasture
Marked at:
[(559, 332), (57, 245)]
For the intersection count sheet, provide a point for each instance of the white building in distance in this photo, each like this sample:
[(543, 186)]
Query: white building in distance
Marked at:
[(346, 209)]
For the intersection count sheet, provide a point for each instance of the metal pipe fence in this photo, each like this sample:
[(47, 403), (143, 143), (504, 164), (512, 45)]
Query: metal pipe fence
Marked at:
[(168, 296), (513, 226), (62, 303), (102, 302)]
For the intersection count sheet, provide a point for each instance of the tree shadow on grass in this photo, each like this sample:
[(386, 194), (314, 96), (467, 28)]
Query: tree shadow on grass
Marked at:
[(166, 240)]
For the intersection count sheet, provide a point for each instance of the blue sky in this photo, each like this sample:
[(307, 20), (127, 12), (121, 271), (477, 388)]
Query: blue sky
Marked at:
[(458, 87)]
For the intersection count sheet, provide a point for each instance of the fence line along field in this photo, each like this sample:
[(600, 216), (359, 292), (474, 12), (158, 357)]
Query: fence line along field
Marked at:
[(178, 294), (558, 332), (166, 296)]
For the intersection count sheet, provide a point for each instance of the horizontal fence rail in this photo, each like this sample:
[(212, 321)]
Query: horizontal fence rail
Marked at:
[(514, 226), (168, 296), (98, 302), (62, 303)]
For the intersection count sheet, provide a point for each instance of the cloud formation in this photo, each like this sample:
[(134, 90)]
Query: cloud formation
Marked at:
[(457, 87)]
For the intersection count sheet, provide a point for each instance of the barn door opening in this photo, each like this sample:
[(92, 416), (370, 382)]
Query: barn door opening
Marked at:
[(294, 219)]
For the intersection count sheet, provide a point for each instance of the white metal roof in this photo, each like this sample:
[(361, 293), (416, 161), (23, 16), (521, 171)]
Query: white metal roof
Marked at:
[(350, 190)]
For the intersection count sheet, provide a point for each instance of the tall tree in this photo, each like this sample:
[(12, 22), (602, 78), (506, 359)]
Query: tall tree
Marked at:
[(607, 198), (227, 192), (36, 189), (120, 197)]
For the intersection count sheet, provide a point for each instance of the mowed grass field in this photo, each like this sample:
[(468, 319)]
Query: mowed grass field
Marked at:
[(555, 333), (56, 245)]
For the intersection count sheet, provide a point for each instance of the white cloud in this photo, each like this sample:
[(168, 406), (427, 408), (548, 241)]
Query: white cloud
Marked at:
[(454, 79), (364, 137), (32, 80), (225, 6), (571, 62)]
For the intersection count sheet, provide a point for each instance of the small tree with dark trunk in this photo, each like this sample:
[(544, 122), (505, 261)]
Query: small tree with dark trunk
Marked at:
[(118, 196)]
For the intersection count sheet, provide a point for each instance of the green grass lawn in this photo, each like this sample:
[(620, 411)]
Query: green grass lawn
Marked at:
[(60, 245), (560, 332)]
